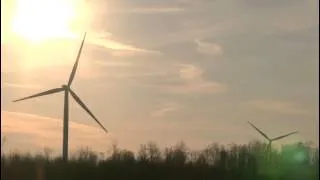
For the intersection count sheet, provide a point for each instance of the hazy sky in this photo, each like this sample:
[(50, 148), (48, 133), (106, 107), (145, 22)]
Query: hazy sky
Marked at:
[(164, 71)]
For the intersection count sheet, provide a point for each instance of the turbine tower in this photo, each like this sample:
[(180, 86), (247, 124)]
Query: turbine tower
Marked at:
[(67, 89), (270, 140)]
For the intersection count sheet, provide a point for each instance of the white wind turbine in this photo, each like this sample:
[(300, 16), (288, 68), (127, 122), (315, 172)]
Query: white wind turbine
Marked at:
[(67, 89), (270, 140)]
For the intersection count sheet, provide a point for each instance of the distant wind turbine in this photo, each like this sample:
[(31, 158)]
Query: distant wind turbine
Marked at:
[(67, 89), (270, 140)]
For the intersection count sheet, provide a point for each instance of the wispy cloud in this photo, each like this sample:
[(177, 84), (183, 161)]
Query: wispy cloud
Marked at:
[(208, 48), (47, 132), (103, 39), (165, 108), (147, 10), (190, 72), (18, 85), (114, 63), (109, 41), (193, 81), (32, 132), (256, 40), (201, 87), (128, 53), (278, 107)]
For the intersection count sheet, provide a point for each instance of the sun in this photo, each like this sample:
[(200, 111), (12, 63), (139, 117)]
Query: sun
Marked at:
[(38, 20)]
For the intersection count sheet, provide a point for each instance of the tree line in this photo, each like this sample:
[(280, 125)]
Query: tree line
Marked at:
[(249, 161)]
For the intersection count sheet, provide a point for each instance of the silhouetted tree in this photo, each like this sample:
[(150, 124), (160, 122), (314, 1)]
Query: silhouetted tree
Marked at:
[(248, 162)]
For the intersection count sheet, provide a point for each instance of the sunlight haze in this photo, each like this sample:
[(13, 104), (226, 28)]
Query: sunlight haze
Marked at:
[(160, 71)]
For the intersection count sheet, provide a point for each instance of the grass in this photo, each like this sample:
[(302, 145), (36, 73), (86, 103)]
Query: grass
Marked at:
[(248, 162)]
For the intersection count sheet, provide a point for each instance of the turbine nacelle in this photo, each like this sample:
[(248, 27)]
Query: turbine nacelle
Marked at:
[(65, 87)]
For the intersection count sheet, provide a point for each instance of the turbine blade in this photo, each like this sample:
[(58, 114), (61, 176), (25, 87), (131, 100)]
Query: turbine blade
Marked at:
[(73, 94), (280, 137), (51, 91), (262, 133), (74, 69)]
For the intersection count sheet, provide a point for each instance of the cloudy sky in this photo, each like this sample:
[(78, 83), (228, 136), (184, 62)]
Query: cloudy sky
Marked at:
[(163, 71)]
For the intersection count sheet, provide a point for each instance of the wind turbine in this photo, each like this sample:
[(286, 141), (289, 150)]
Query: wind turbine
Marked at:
[(270, 140), (67, 89)]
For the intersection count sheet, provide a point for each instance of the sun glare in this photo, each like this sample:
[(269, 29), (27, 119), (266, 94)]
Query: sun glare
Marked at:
[(38, 20)]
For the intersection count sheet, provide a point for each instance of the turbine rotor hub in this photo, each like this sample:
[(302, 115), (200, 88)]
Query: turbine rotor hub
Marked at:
[(65, 86)]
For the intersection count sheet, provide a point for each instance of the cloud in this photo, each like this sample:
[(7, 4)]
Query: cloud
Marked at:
[(138, 7), (192, 81), (114, 63), (254, 51), (208, 48), (195, 31), (117, 47), (279, 107), (197, 88), (30, 132), (147, 10), (165, 108), (269, 4), (126, 53), (107, 42), (102, 39), (190, 72), (17, 85), (38, 132)]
